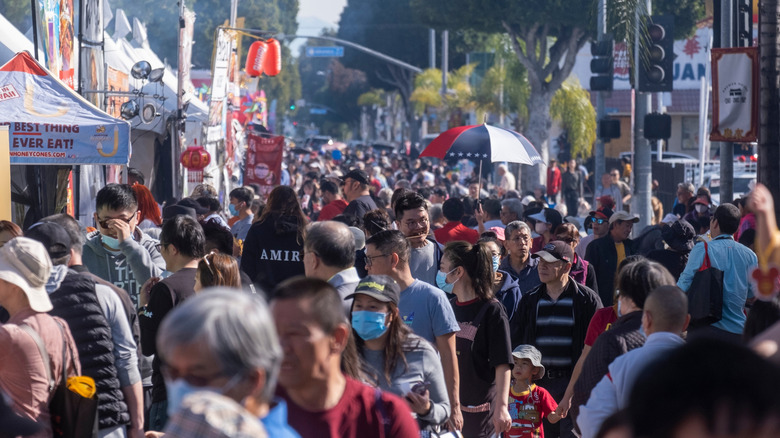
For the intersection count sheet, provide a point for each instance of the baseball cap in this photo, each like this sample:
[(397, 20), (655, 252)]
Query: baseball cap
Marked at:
[(500, 232), (623, 216), (554, 251), (25, 263), (193, 204), (52, 236), (170, 211), (525, 351), (527, 200), (602, 213), (360, 237), (606, 201), (358, 175), (380, 287)]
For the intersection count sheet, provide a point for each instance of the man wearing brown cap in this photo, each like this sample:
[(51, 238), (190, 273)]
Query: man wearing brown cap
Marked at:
[(24, 270), (356, 192), (606, 253), (554, 317)]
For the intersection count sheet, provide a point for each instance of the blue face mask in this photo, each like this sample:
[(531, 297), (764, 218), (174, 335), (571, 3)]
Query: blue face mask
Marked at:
[(369, 325), (496, 262), (620, 313), (441, 281), (110, 242), (642, 331), (233, 211), (179, 389)]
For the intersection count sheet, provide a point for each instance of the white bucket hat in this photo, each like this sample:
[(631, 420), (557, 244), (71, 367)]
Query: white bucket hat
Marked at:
[(25, 263)]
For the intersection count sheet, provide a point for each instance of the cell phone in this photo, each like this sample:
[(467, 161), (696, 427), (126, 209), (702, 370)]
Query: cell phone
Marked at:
[(420, 387)]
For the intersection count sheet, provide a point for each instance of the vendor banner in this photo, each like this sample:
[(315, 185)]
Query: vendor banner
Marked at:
[(67, 52), (735, 95), (50, 123), (263, 163)]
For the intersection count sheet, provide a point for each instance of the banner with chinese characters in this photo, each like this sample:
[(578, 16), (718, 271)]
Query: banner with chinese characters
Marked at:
[(735, 94), (263, 164)]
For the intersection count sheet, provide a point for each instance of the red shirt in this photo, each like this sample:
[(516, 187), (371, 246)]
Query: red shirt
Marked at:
[(600, 323), (553, 181), (452, 231), (527, 410), (356, 415), (332, 209)]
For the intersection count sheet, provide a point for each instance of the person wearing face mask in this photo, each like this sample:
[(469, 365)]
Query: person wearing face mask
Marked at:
[(545, 222), (397, 360), (424, 308), (701, 211), (240, 208), (483, 345), (222, 356), (120, 252), (635, 283), (505, 287)]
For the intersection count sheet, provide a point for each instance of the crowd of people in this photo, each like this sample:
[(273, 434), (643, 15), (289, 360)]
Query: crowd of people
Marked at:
[(381, 296)]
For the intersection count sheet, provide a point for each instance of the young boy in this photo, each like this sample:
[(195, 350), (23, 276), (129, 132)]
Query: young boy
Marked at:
[(528, 403)]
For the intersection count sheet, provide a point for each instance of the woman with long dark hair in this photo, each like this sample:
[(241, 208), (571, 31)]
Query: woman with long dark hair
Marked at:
[(396, 359), (483, 345), (273, 249)]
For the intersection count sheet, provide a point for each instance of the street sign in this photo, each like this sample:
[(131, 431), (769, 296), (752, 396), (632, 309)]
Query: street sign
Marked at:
[(318, 111), (325, 52)]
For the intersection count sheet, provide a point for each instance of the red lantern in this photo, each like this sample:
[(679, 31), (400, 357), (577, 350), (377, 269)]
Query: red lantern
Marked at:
[(256, 58), (195, 158), (272, 64)]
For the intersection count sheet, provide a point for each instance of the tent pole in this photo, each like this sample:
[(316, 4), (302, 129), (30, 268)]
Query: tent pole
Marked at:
[(76, 190), (34, 28)]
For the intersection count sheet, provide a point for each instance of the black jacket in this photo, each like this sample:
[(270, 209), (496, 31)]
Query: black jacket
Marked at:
[(621, 338), (272, 251), (522, 327), (77, 303), (602, 254)]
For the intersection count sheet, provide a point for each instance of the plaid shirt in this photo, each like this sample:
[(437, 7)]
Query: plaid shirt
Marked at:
[(206, 414)]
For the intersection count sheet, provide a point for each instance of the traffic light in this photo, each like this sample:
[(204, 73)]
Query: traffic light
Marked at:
[(292, 105), (656, 61), (601, 65), (609, 129), (744, 23), (658, 126)]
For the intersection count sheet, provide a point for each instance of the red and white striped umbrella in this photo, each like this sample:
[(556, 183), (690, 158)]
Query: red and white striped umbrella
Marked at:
[(483, 142)]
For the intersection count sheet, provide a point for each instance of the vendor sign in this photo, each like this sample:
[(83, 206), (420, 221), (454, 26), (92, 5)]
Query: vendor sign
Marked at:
[(264, 161), (51, 124)]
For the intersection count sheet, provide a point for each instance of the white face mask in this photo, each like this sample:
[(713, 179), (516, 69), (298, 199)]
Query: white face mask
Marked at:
[(700, 208), (540, 227)]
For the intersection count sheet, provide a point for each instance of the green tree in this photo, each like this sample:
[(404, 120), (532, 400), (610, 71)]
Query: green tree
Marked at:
[(546, 36), (572, 108), (458, 99)]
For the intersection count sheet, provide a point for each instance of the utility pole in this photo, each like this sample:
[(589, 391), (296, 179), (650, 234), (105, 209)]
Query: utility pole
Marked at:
[(431, 48), (769, 132), (601, 111), (642, 163), (726, 39), (445, 47)]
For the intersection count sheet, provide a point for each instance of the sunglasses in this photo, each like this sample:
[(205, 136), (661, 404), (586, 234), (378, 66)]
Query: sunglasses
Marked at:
[(104, 223), (599, 221)]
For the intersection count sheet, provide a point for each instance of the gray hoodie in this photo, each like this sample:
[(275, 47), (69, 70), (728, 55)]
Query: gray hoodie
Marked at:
[(137, 261)]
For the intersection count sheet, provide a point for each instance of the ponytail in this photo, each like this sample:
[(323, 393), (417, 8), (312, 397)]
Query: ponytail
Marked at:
[(477, 260)]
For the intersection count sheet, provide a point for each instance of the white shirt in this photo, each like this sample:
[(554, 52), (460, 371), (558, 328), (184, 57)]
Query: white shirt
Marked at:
[(612, 392)]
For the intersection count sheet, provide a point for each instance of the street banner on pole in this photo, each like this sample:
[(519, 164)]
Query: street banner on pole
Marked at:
[(735, 94), (264, 161)]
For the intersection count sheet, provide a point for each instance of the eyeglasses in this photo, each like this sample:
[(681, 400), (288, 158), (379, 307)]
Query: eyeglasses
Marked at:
[(159, 246), (104, 222), (418, 223), (370, 259), (599, 221), (198, 381)]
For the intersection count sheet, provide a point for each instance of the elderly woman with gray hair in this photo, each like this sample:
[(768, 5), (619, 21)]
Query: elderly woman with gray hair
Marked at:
[(221, 359)]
